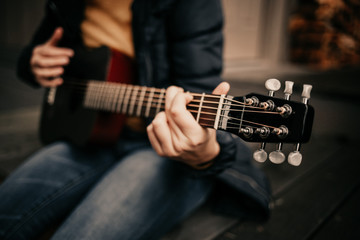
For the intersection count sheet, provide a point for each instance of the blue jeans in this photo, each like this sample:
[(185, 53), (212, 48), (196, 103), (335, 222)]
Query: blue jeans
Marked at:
[(96, 196)]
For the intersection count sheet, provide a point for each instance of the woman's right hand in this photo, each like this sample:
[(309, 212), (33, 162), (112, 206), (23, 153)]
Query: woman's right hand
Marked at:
[(47, 61)]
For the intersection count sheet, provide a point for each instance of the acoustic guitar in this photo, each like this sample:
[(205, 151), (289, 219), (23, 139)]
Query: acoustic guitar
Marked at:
[(71, 112)]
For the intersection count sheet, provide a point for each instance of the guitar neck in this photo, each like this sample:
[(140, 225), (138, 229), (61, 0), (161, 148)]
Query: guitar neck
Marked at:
[(208, 110)]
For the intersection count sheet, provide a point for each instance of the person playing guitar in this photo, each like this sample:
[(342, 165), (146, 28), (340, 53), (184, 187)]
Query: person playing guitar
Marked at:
[(155, 171)]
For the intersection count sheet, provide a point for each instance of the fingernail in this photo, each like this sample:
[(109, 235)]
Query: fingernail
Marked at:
[(189, 95)]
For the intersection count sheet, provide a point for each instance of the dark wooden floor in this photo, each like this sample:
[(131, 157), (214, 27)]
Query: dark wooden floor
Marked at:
[(317, 200)]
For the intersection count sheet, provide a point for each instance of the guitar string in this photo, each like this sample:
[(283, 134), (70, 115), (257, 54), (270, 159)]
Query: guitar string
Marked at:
[(154, 104), (241, 104), (237, 125), (194, 100), (84, 86), (194, 111), (236, 128), (137, 103), (156, 96), (221, 115)]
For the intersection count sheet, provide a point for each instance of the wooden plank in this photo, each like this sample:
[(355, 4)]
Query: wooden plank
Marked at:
[(203, 224), (283, 176), (344, 223), (299, 211)]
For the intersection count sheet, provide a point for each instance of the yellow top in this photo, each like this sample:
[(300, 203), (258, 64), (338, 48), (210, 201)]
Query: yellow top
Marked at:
[(108, 22)]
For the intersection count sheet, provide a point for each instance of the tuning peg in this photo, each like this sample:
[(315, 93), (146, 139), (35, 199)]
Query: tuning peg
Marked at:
[(260, 155), (288, 89), (306, 93), (295, 157), (272, 85), (277, 156)]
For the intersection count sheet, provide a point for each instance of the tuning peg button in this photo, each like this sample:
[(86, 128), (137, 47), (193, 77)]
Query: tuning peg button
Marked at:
[(277, 157), (260, 155), (306, 93), (272, 85), (295, 158), (288, 89)]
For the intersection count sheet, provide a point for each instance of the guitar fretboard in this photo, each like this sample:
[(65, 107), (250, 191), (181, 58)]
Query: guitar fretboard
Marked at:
[(208, 110)]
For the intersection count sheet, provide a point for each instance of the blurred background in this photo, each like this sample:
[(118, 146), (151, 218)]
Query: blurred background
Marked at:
[(306, 41)]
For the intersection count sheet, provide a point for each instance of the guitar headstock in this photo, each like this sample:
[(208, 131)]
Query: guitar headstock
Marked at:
[(267, 119)]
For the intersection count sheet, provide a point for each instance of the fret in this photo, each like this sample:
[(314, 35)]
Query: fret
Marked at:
[(97, 88), (208, 110), (104, 96), (149, 102), (216, 123), (126, 98), (160, 101), (94, 93), (88, 98), (116, 97), (107, 96), (141, 100), (200, 106), (133, 99), (92, 96), (111, 96), (98, 96), (101, 96), (121, 97)]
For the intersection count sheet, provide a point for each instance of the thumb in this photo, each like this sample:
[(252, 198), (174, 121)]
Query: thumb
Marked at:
[(222, 88), (56, 37)]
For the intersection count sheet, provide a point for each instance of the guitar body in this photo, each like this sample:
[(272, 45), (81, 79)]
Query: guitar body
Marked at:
[(63, 114), (65, 118)]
